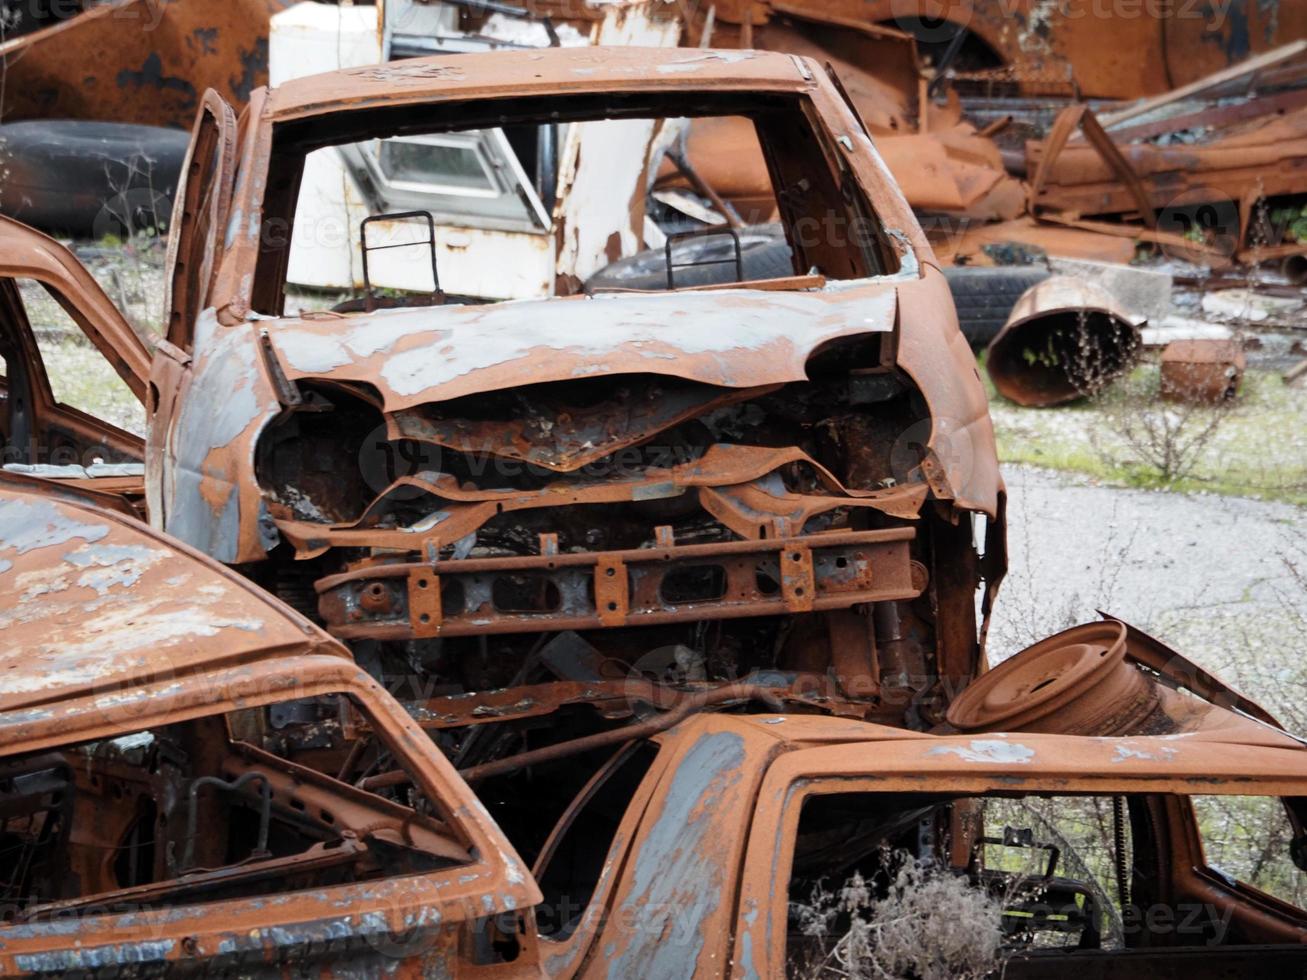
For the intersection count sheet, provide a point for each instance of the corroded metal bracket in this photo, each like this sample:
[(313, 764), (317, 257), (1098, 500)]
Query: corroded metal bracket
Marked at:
[(646, 586)]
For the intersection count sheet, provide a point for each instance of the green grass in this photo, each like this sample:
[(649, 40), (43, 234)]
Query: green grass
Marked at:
[(1259, 450)]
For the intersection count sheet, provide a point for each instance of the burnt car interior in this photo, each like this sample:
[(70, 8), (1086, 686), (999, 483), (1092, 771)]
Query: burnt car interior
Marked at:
[(1071, 879), (38, 427), (830, 226), (253, 803), (725, 533)]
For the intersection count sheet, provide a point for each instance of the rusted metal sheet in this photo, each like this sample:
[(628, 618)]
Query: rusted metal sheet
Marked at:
[(157, 611), (1075, 48), (1065, 339), (1206, 171), (136, 61), (1202, 370)]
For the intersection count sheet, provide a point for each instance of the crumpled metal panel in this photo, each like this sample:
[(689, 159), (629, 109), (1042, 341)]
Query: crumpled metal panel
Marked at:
[(730, 481), (736, 338)]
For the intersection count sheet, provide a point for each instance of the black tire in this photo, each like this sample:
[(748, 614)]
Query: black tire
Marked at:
[(90, 179), (764, 254), (985, 295)]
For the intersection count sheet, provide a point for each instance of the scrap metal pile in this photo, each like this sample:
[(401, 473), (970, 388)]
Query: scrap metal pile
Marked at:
[(588, 634)]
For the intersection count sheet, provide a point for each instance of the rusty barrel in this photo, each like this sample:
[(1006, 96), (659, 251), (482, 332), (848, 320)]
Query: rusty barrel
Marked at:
[(1066, 338)]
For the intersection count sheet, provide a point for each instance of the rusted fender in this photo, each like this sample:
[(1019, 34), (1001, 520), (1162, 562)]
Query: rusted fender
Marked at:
[(962, 465)]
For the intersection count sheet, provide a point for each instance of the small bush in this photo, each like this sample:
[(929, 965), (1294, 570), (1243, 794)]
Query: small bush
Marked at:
[(1164, 439), (930, 925)]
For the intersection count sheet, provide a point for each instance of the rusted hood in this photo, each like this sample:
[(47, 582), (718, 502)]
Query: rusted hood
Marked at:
[(94, 601), (739, 338)]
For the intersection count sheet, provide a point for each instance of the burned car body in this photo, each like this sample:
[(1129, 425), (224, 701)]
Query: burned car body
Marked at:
[(162, 803), (775, 476), (170, 808)]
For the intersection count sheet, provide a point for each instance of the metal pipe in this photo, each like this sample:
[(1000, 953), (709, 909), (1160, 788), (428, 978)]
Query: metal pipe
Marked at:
[(551, 753), (645, 729), (265, 811)]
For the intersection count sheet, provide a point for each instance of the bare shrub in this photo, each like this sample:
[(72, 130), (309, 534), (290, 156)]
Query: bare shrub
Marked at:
[(1164, 436), (931, 925), (1164, 439)]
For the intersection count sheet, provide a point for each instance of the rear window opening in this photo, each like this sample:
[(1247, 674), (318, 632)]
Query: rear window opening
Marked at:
[(258, 802), (406, 212)]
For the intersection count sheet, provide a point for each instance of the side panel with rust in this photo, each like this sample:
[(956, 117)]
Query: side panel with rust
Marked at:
[(138, 61), (673, 911), (205, 468)]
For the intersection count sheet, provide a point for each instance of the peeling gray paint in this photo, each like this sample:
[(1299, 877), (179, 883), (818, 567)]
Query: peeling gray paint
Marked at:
[(226, 397), (984, 750), (732, 338), (26, 525), (1127, 751), (675, 884), (112, 565), (96, 958), (707, 58)]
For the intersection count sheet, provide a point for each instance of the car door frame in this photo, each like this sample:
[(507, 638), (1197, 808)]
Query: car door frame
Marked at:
[(26, 254), (198, 224), (411, 919), (924, 764)]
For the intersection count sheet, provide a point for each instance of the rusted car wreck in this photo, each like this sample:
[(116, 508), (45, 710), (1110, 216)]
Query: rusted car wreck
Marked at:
[(776, 476), (582, 636), (169, 806)]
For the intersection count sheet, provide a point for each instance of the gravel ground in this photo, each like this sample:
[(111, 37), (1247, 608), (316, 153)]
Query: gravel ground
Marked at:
[(1210, 575)]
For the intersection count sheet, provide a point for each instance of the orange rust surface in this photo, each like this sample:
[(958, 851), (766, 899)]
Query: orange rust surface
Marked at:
[(96, 602), (138, 61), (1095, 50)]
